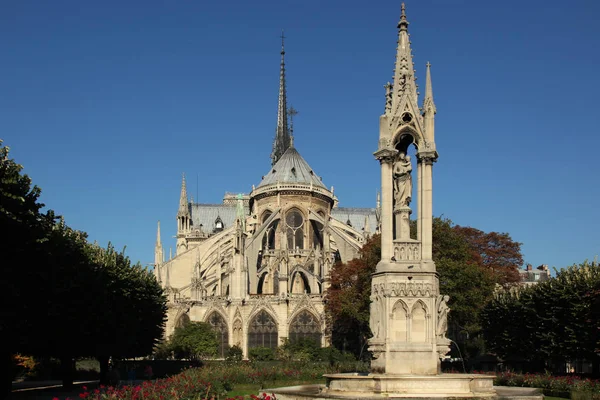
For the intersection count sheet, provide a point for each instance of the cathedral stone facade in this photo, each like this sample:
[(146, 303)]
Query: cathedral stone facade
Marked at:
[(256, 267)]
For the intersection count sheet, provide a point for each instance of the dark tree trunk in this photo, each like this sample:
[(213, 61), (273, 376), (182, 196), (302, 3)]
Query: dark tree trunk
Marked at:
[(596, 367), (7, 379), (104, 379), (68, 371)]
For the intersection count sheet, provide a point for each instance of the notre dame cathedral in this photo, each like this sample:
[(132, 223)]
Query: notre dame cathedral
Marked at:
[(256, 266)]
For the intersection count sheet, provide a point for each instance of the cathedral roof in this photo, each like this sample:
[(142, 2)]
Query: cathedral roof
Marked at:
[(291, 168), (207, 214), (356, 216)]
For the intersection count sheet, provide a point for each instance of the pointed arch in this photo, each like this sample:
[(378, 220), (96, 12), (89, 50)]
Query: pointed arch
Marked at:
[(218, 322), (237, 333), (294, 228), (299, 282), (262, 331), (399, 322), (182, 320), (419, 331), (305, 325)]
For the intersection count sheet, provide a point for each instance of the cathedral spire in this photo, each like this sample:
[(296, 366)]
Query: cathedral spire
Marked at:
[(282, 134)]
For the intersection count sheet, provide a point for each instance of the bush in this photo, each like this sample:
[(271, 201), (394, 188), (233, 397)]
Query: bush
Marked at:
[(261, 354), (234, 354)]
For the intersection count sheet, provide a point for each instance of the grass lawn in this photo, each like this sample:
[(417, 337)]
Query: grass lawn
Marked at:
[(255, 388)]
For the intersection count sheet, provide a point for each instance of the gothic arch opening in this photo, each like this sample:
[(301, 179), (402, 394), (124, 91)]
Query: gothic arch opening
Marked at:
[(418, 331), (317, 234), (305, 325), (299, 283), (262, 331), (237, 333), (405, 172), (219, 325), (294, 229), (268, 240), (182, 321), (399, 322)]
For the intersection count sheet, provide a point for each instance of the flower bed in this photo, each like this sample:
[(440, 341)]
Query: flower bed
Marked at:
[(570, 386), (213, 381)]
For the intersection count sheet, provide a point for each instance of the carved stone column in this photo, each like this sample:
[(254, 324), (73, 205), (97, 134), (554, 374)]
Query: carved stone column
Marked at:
[(426, 216), (386, 158)]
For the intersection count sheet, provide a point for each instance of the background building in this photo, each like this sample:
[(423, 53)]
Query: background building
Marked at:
[(530, 276)]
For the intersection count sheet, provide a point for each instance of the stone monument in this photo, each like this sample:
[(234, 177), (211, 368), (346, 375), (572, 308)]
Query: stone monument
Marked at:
[(408, 312)]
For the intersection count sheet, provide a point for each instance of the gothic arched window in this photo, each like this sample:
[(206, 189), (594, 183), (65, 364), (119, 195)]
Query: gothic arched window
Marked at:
[(182, 321), (317, 234), (294, 232), (262, 331), (305, 326), (268, 241), (219, 325)]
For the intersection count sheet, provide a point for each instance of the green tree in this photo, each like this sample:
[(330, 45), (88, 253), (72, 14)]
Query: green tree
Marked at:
[(549, 323), (25, 228), (131, 308), (348, 299), (468, 285), (195, 341)]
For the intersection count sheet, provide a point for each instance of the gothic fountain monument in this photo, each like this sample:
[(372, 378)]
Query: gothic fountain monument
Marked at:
[(408, 313)]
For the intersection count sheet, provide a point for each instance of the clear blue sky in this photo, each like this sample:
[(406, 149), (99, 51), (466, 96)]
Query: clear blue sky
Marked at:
[(107, 103)]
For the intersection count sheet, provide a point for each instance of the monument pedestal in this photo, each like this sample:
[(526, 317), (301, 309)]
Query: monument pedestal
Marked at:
[(404, 313)]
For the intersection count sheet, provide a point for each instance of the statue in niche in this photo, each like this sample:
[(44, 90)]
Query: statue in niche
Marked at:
[(442, 310), (402, 180)]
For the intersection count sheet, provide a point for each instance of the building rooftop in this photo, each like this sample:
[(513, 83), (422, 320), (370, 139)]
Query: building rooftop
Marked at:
[(291, 168)]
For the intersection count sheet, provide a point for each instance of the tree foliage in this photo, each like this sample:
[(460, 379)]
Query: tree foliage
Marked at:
[(195, 341), (348, 303), (549, 323), (494, 251), (62, 296)]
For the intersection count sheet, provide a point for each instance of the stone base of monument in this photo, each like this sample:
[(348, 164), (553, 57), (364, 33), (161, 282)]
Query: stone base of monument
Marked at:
[(416, 390), (375, 386), (389, 385)]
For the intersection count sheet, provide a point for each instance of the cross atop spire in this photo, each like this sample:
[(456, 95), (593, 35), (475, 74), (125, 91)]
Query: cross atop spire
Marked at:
[(282, 134)]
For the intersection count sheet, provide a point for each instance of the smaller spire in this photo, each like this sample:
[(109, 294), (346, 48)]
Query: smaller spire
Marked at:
[(158, 242), (428, 104), (183, 199)]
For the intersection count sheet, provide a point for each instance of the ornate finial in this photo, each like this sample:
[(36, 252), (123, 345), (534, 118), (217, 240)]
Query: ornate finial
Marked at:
[(282, 43), (403, 24)]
